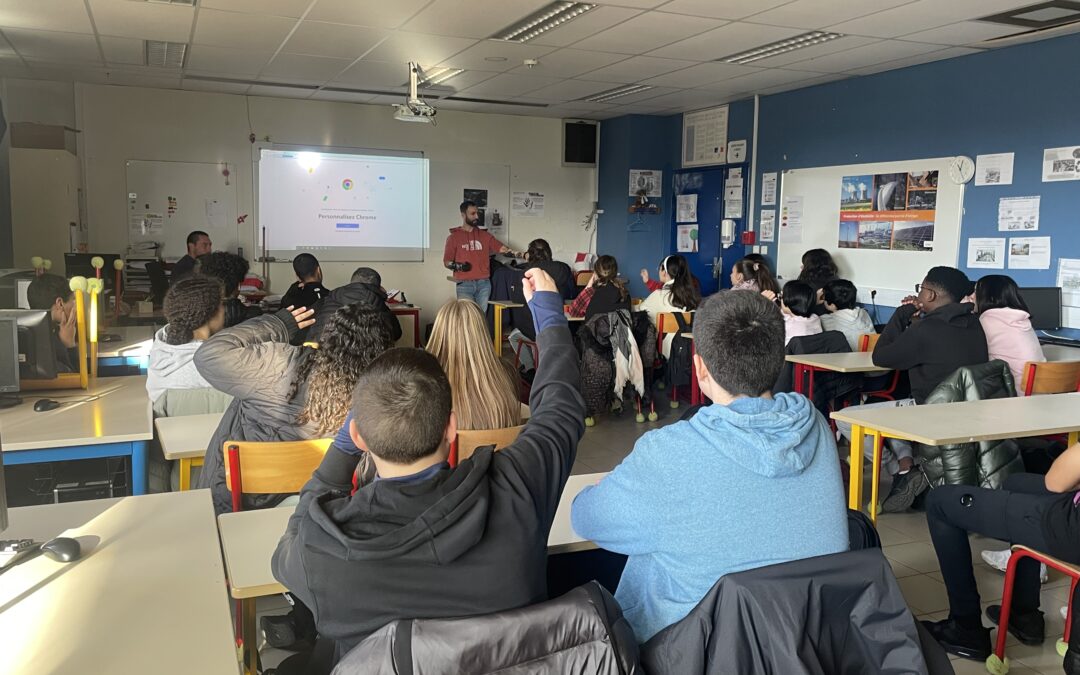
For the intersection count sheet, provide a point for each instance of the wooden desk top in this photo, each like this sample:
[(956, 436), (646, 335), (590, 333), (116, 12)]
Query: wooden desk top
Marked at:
[(187, 436), (118, 412), (399, 308), (135, 341), (846, 362), (249, 538), (506, 304), (973, 420), (148, 591)]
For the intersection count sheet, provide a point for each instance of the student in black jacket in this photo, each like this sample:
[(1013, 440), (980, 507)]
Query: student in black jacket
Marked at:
[(537, 255), (929, 336), (307, 289), (364, 290), (422, 539), (604, 293)]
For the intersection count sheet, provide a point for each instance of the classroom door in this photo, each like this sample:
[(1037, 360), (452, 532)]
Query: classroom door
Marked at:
[(708, 261)]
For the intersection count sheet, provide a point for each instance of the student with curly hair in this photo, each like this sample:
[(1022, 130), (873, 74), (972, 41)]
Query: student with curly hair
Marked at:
[(230, 269)]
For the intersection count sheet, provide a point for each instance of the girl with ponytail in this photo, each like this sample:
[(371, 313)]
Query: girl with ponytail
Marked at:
[(678, 294)]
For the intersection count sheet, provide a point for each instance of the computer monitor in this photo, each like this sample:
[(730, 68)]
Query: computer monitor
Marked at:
[(3, 497), (78, 265), (37, 360), (9, 356), (1044, 305)]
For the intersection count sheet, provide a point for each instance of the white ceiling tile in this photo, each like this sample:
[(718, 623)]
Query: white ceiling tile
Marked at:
[(640, 4), (330, 39), (570, 63), (481, 19), (49, 46), (427, 50), (507, 85), (822, 79), (568, 113), (695, 98), (593, 106), (815, 14), (964, 33), (879, 52), (293, 9), (5, 47), (587, 24), (241, 31), (279, 92), (947, 53), (732, 10), (646, 32), (46, 70), (636, 69), (365, 74), (922, 15), (12, 66), (702, 74), (762, 80), (342, 96), (209, 85), (459, 82), (145, 77), (724, 41), (377, 13), (57, 15), (480, 55), (123, 50), (142, 20), (572, 90), (202, 58), (303, 68), (832, 46)]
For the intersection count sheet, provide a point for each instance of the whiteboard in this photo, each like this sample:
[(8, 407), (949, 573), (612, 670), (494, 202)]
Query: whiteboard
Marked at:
[(893, 274), (202, 198)]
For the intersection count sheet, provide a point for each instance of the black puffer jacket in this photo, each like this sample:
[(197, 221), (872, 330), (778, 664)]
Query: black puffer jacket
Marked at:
[(986, 463), (582, 632), (367, 296)]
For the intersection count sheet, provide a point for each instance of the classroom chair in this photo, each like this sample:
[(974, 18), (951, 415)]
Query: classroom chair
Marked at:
[(582, 278), (529, 344), (466, 442), (280, 467), (1057, 377), (867, 342), (666, 323), (996, 663)]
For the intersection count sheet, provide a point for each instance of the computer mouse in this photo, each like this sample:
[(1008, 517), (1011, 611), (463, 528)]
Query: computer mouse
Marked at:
[(46, 404), (62, 549)]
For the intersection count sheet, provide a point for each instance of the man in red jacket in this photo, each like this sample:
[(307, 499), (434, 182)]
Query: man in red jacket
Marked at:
[(466, 253)]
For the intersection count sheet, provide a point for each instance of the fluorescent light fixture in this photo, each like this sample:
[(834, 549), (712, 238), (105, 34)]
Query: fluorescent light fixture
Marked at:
[(437, 76), (1042, 15), (186, 3), (165, 54), (543, 20), (618, 92), (781, 47)]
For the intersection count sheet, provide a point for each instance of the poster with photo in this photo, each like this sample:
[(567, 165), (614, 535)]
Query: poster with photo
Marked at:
[(888, 211), (479, 197)]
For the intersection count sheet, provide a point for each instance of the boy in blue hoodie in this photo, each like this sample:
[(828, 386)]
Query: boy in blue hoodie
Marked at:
[(751, 480)]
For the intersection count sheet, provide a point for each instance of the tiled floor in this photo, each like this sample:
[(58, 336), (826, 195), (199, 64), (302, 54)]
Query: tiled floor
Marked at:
[(905, 538)]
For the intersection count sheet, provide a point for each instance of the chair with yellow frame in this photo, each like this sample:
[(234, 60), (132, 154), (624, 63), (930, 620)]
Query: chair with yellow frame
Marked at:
[(281, 467)]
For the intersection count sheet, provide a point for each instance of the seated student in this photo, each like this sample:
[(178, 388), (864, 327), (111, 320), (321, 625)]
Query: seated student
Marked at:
[(194, 311), (1040, 512), (750, 275), (485, 387), (363, 290), (818, 269), (230, 270), (749, 481), (604, 293), (52, 292), (677, 295), (797, 303), (654, 285), (282, 392), (843, 313), (1007, 323), (538, 255), (425, 540), (198, 245), (307, 289), (930, 336)]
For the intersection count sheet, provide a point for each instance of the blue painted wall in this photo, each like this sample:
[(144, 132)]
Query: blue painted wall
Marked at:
[(1020, 99)]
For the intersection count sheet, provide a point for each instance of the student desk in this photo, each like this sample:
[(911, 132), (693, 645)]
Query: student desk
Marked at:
[(132, 349), (947, 423), (111, 419), (843, 362), (409, 318), (499, 306), (185, 439), (148, 594), (249, 539)]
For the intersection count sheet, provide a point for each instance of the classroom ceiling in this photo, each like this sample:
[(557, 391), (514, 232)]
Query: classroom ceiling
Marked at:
[(356, 50)]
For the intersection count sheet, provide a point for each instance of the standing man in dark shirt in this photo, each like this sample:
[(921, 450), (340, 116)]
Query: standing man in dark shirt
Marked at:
[(466, 253), (198, 243), (308, 288)]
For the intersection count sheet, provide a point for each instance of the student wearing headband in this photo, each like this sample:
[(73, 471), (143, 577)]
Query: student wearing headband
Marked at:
[(677, 294)]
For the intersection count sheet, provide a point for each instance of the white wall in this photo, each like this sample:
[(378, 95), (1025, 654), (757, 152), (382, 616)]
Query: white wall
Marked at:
[(44, 202), (121, 123)]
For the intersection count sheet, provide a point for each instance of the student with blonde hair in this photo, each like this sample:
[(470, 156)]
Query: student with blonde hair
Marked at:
[(484, 388)]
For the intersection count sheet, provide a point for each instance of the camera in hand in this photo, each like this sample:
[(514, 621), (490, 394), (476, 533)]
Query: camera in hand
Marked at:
[(460, 266)]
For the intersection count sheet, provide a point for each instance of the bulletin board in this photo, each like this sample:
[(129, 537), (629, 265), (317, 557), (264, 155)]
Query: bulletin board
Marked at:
[(164, 201), (892, 272)]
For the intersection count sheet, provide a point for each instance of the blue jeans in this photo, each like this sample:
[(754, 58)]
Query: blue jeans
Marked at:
[(477, 290)]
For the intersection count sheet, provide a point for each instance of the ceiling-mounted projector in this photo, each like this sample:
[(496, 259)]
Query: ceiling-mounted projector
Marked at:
[(414, 109)]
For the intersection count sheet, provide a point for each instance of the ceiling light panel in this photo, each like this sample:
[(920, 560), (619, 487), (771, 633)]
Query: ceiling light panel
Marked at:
[(618, 92), (781, 47), (547, 18)]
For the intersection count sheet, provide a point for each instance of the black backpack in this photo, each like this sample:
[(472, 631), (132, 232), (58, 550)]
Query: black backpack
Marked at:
[(679, 367)]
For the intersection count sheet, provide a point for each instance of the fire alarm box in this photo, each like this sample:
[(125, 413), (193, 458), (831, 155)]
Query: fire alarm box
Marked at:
[(748, 238)]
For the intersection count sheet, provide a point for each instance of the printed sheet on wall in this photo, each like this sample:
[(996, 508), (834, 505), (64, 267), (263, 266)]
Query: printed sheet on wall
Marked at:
[(889, 211)]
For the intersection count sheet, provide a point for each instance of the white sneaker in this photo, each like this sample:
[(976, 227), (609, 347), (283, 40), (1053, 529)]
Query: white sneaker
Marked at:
[(999, 560)]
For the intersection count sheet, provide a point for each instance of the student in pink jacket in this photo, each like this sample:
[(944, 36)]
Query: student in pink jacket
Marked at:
[(797, 302), (1007, 324)]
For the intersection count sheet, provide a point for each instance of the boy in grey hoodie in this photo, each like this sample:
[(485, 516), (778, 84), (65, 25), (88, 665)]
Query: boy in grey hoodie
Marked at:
[(844, 315)]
